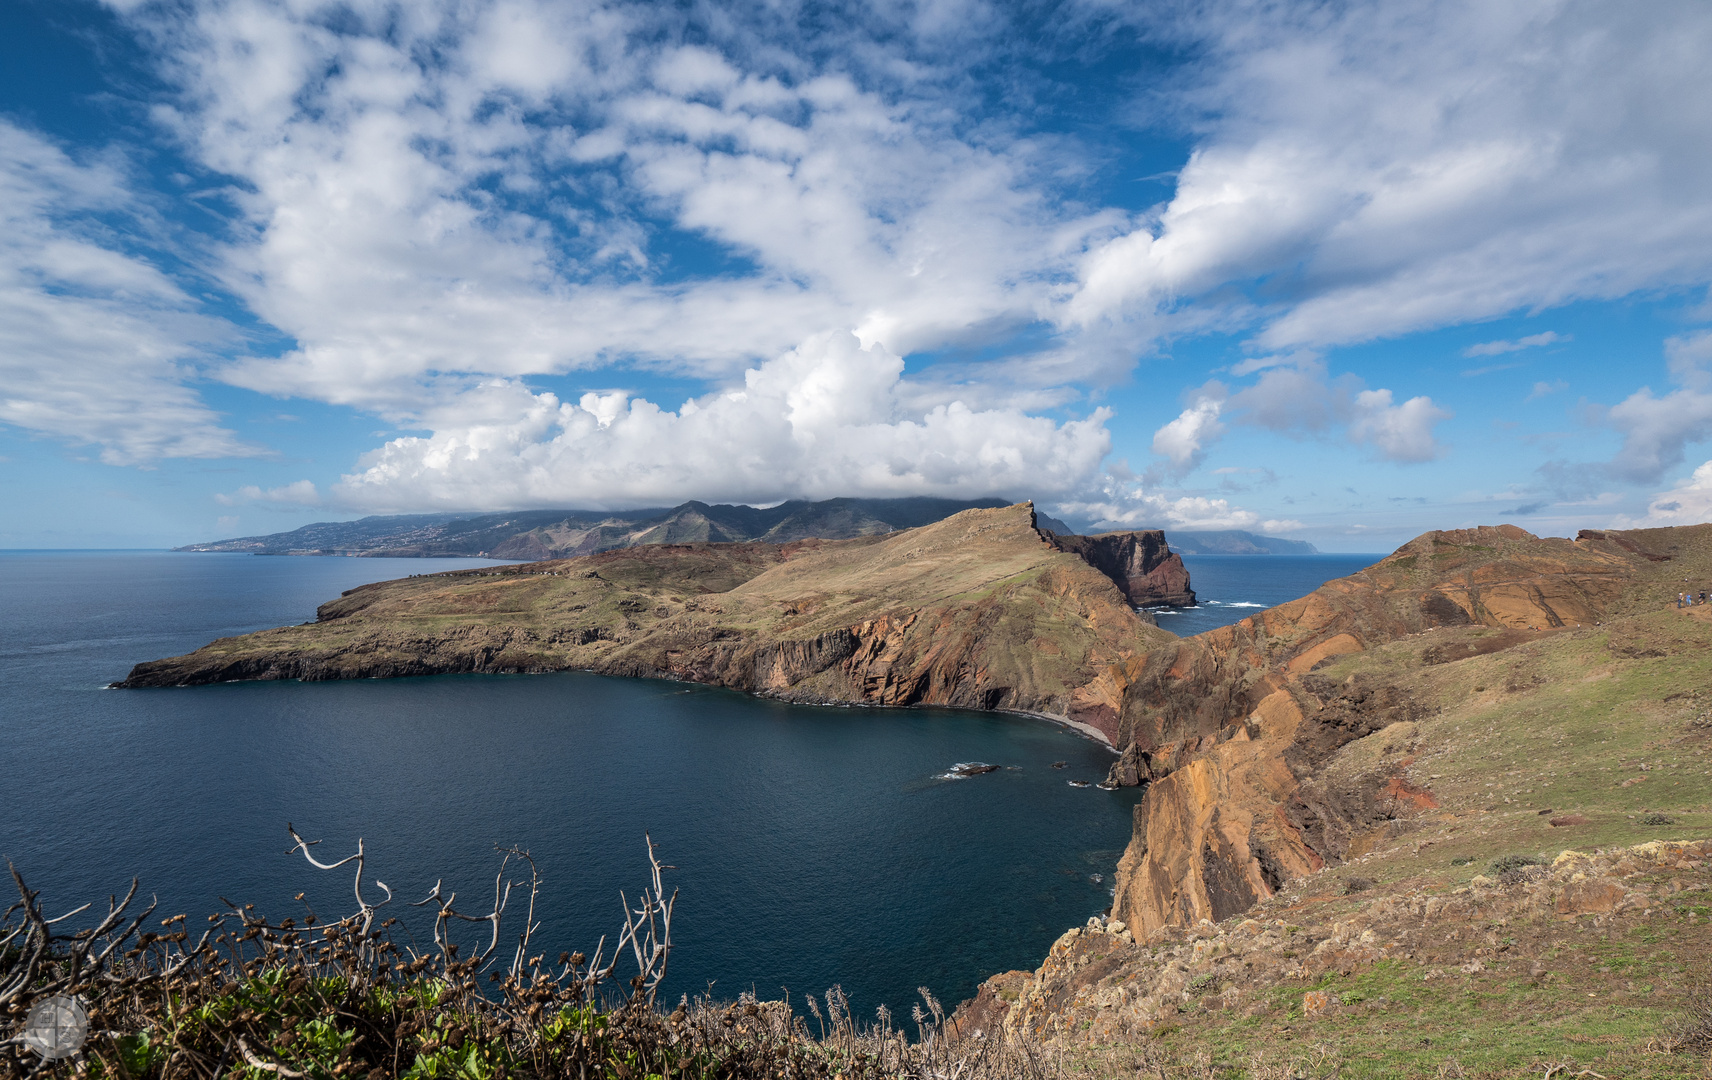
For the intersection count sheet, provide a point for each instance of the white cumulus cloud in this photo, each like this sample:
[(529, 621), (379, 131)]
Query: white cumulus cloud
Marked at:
[(828, 418), (1398, 432), (1300, 397), (1689, 503), (1184, 440), (1121, 502), (1656, 430)]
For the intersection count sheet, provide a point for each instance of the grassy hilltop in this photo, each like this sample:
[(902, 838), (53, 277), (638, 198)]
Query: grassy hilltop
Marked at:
[(1510, 872), (1446, 817), (978, 610)]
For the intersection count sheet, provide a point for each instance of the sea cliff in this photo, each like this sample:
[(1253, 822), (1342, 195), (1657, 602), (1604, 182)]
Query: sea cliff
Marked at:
[(982, 610), (1230, 731), (1455, 824)]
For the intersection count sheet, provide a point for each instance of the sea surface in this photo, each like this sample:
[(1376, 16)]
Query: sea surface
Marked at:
[(1230, 588), (813, 846)]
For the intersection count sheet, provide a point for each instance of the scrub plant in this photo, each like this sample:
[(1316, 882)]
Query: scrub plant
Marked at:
[(303, 998)]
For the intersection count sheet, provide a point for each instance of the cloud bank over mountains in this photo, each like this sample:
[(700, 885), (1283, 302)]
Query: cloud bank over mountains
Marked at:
[(853, 232), (822, 420)]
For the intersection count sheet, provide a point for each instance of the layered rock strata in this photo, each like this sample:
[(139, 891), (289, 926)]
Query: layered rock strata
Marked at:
[(976, 611), (1142, 563), (1228, 728)]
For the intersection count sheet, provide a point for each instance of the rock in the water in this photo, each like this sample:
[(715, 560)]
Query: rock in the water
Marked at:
[(970, 768)]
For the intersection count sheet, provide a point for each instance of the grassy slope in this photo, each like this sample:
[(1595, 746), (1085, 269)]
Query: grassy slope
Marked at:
[(1607, 723), (962, 606), (1563, 723)]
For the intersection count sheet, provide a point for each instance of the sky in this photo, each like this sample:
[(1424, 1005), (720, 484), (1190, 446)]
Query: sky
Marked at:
[(1342, 272)]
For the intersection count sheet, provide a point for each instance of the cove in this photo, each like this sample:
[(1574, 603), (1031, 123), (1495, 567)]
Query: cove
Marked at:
[(814, 846)]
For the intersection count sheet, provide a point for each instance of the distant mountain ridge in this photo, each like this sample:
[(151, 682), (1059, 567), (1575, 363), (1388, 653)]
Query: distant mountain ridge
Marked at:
[(560, 534), (1236, 542)]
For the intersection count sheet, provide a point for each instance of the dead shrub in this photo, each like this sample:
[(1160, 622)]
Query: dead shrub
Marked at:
[(1691, 1032), (340, 999)]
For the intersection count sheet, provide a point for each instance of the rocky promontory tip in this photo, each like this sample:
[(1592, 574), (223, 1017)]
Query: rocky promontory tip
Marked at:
[(977, 611), (1145, 568)]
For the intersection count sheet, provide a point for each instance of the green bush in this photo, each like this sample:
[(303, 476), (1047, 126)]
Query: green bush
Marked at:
[(1504, 863)]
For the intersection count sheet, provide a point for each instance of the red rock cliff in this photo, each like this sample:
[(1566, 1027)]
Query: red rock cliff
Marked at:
[(1227, 728)]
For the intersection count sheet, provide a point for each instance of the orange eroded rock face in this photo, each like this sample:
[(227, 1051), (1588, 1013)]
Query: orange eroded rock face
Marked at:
[(1228, 727), (1209, 841)]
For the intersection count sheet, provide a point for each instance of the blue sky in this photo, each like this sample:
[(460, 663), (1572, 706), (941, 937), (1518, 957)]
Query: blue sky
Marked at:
[(1344, 272)]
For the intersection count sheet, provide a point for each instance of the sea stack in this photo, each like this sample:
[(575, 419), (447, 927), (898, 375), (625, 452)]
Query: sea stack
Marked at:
[(1145, 568)]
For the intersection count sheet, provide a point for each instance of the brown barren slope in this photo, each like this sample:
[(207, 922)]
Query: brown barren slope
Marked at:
[(976, 611), (1231, 728), (1427, 945)]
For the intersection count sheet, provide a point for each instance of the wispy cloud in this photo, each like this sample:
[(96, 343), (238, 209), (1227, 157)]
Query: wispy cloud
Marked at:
[(97, 344), (1347, 186), (1499, 348), (298, 493)]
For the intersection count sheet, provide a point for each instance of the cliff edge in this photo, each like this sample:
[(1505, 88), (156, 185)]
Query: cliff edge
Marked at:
[(1231, 729), (978, 611), (1142, 564)]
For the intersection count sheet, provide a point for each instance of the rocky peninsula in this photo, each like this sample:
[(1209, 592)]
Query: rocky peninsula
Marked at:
[(1447, 816), (1347, 796), (982, 610)]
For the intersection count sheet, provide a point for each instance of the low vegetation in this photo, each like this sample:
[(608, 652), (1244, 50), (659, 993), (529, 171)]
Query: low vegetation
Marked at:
[(1488, 958), (246, 996)]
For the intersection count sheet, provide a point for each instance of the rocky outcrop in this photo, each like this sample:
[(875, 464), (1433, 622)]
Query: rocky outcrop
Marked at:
[(1141, 563), (1228, 728), (1107, 983), (977, 611)]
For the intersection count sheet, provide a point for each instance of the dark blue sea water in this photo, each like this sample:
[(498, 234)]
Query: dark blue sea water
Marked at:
[(1230, 588), (813, 845)]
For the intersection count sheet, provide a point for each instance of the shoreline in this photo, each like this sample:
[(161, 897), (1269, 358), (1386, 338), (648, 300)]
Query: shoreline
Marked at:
[(1088, 731)]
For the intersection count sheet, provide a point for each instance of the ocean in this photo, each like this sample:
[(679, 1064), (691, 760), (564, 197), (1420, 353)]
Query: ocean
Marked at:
[(813, 846), (1229, 588)]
